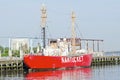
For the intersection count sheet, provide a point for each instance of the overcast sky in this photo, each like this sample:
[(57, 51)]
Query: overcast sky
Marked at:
[(96, 19)]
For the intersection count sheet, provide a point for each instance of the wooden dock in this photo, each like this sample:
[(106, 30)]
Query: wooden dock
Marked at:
[(17, 63), (11, 64), (106, 60)]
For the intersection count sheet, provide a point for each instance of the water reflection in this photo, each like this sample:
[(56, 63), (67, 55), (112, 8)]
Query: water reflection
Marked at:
[(11, 75), (71, 74), (106, 72), (103, 72)]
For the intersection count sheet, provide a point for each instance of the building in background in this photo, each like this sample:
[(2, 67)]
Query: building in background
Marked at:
[(20, 43)]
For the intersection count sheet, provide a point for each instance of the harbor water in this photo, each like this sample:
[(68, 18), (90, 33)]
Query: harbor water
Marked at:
[(105, 72), (95, 72)]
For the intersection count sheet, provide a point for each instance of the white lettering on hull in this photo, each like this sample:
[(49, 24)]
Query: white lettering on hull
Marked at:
[(72, 59)]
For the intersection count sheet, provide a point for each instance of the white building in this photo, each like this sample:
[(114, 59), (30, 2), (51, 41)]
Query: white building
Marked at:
[(18, 43)]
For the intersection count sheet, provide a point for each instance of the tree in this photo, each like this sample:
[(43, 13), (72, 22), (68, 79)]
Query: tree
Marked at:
[(1, 49)]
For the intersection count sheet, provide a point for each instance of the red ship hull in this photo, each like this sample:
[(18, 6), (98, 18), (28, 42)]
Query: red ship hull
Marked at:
[(40, 62)]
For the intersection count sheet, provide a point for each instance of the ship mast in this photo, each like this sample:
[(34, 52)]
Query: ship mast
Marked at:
[(43, 24), (73, 32)]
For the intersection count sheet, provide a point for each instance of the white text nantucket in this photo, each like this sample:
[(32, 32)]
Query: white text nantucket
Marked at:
[(72, 59)]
